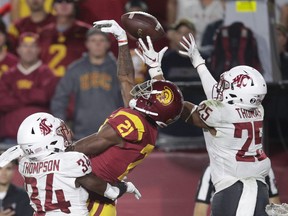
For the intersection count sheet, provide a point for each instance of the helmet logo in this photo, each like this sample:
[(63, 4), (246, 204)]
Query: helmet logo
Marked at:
[(242, 80), (45, 129), (166, 96)]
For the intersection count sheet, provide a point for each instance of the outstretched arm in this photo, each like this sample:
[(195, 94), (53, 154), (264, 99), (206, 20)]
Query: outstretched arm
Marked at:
[(198, 62), (125, 73), (151, 58), (125, 70), (97, 143)]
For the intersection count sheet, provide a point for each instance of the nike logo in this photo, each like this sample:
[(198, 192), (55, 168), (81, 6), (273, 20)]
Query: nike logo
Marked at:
[(154, 60), (14, 149)]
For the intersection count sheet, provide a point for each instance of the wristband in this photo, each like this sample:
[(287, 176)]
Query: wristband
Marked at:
[(156, 71), (122, 186), (122, 39), (122, 42), (111, 192)]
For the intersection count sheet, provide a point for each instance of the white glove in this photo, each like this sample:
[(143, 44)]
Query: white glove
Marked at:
[(276, 209), (132, 189), (111, 26), (150, 57), (191, 51), (10, 154), (116, 191)]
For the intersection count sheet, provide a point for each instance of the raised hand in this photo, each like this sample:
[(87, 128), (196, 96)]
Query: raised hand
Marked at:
[(191, 51), (111, 26), (150, 57)]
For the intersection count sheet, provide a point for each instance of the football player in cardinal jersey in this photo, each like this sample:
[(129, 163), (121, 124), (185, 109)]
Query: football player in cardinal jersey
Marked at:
[(129, 134), (56, 181), (232, 121)]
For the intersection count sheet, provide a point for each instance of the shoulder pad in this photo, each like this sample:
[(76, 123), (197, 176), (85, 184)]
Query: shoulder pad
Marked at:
[(77, 165), (128, 126), (210, 112)]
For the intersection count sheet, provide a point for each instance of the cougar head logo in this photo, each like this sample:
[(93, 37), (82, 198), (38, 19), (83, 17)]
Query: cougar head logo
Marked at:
[(242, 80), (45, 129)]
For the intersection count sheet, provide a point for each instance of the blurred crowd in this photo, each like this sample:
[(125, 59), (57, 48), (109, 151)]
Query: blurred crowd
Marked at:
[(52, 60)]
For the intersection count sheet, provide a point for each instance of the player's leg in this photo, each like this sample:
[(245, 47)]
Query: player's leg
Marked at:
[(225, 202), (262, 199), (101, 209)]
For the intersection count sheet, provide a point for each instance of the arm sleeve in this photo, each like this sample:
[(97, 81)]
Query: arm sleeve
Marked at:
[(207, 80), (127, 125), (210, 112), (62, 94)]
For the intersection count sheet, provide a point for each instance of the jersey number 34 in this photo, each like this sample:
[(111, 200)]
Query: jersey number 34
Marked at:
[(61, 203)]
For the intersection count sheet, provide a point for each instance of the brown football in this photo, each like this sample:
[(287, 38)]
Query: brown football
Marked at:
[(140, 24)]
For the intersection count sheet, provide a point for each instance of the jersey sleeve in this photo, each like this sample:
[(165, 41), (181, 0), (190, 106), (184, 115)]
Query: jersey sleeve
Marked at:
[(77, 164), (210, 112), (127, 125)]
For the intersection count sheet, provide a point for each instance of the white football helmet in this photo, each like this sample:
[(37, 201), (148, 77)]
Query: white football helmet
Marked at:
[(40, 134), (243, 86)]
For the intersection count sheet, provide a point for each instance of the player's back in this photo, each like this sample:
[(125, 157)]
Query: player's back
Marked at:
[(50, 183), (139, 135), (236, 149)]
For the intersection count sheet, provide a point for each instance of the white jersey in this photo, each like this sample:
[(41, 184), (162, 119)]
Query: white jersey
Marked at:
[(235, 151), (50, 183)]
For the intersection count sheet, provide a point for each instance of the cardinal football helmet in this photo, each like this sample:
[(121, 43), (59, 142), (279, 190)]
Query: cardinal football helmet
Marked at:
[(40, 134), (243, 86), (161, 100)]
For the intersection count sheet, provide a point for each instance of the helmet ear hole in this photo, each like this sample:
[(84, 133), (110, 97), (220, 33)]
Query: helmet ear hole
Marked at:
[(53, 143)]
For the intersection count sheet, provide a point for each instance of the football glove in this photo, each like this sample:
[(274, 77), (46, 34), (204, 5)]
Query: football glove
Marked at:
[(191, 51), (277, 210), (111, 26), (116, 191), (10, 154), (150, 57)]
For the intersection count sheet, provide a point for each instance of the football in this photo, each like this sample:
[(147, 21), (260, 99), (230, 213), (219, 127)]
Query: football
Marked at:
[(140, 24)]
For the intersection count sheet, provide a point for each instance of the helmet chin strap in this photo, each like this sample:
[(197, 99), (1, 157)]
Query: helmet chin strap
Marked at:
[(132, 104)]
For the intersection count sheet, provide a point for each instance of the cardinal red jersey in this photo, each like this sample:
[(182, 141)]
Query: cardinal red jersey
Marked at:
[(27, 25), (139, 137), (22, 95), (59, 49), (9, 61)]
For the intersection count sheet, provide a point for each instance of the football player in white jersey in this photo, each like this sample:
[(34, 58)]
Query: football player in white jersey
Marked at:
[(232, 120), (56, 181), (206, 190)]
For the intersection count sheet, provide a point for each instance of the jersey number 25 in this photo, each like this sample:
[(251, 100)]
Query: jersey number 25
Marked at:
[(253, 131)]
